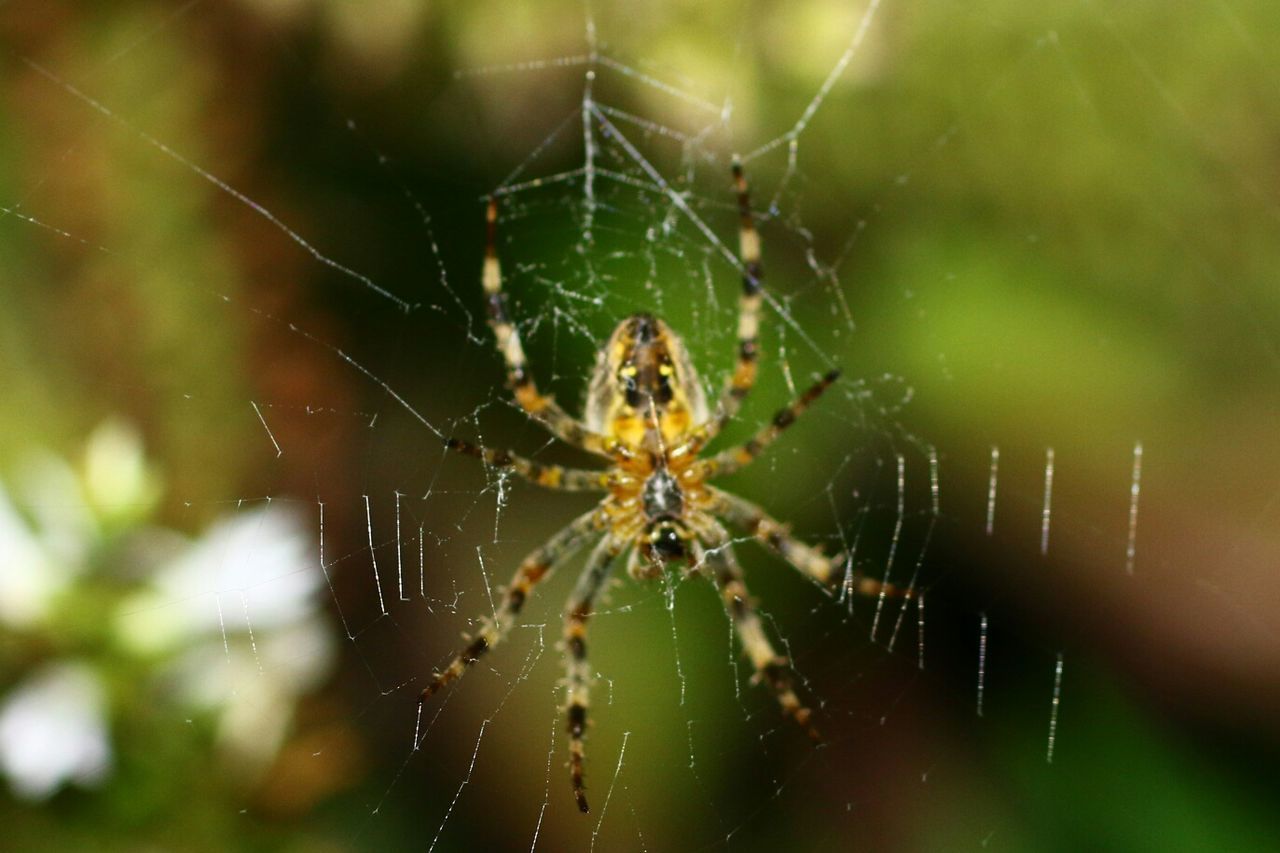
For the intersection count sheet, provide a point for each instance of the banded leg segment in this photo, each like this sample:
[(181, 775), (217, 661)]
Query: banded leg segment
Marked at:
[(810, 561), (770, 668), (730, 460), (541, 407), (577, 611), (547, 476), (534, 568), (744, 372)]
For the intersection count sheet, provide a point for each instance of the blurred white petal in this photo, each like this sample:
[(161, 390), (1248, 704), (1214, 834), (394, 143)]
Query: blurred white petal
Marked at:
[(52, 731), (63, 521), (28, 580), (212, 674), (298, 656), (117, 479), (253, 691), (254, 723), (254, 569), (149, 623)]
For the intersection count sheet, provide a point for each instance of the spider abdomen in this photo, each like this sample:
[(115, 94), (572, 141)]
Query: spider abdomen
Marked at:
[(644, 391)]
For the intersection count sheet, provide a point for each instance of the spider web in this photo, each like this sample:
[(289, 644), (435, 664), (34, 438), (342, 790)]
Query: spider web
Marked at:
[(615, 198)]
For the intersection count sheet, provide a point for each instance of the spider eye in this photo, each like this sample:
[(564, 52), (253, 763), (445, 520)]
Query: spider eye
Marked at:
[(665, 391), (667, 543), (627, 379)]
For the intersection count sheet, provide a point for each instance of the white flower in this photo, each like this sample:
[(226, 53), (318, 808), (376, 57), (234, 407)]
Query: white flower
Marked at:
[(238, 607), (39, 558), (229, 623), (120, 485), (52, 730), (249, 571), (29, 580)]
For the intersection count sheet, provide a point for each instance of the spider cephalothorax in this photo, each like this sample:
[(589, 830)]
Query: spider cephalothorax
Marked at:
[(647, 416)]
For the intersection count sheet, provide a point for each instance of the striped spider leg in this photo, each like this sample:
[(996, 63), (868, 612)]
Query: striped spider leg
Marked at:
[(828, 572), (541, 407), (534, 569), (771, 669), (578, 609), (746, 366), (548, 476), (773, 534)]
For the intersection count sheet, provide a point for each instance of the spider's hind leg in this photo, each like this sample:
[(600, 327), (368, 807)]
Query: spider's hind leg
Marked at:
[(830, 572), (577, 611), (533, 569), (771, 669)]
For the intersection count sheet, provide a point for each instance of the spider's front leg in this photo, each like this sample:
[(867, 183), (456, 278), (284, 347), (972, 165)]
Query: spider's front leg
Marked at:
[(541, 407), (743, 378), (744, 374), (770, 668), (577, 611), (535, 568)]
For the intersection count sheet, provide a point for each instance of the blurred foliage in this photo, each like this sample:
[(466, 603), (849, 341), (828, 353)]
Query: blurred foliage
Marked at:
[(1057, 221)]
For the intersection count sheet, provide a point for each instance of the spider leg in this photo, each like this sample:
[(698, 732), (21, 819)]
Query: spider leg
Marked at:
[(541, 407), (730, 460), (776, 536), (744, 374), (547, 476), (577, 611), (770, 668), (533, 569), (743, 377)]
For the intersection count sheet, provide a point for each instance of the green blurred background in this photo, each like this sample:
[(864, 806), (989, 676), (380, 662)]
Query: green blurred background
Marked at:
[(1029, 226)]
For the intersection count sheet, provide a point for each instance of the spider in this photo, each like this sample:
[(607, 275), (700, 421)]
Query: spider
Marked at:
[(646, 413)]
